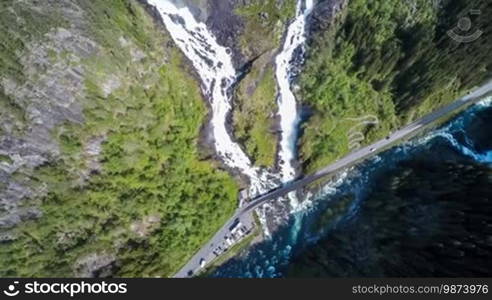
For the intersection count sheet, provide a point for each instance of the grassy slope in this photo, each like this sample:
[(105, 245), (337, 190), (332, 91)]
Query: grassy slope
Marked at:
[(256, 95), (388, 60), (150, 164), (13, 40)]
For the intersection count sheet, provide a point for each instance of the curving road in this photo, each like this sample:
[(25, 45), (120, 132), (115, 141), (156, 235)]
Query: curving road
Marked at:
[(244, 213)]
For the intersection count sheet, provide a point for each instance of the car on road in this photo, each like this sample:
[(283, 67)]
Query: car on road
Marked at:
[(372, 149), (202, 262)]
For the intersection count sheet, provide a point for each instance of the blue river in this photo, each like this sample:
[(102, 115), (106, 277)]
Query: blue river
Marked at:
[(465, 138)]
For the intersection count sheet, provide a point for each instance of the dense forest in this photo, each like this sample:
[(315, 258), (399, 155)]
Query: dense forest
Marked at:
[(381, 64), (101, 171), (121, 188), (427, 218)]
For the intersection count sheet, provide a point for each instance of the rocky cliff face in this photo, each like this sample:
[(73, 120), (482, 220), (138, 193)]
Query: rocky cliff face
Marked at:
[(46, 91)]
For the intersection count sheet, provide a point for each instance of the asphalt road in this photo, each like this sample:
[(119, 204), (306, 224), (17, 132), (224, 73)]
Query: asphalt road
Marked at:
[(244, 213)]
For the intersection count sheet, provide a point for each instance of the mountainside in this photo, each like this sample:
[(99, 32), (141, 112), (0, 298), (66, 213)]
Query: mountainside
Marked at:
[(412, 225)]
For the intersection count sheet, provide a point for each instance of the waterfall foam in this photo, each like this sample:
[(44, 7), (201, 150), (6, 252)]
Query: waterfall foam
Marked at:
[(466, 148), (287, 104), (214, 65)]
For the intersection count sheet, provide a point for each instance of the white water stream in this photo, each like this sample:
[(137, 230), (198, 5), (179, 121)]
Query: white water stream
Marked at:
[(214, 65)]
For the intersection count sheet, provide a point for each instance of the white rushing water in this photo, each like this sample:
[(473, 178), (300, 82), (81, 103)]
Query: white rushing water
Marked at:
[(214, 65), (287, 105)]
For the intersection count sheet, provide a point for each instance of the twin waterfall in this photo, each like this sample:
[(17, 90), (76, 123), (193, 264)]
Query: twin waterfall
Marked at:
[(214, 65)]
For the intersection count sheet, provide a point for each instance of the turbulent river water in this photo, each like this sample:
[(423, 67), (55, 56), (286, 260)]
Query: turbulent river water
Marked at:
[(214, 65)]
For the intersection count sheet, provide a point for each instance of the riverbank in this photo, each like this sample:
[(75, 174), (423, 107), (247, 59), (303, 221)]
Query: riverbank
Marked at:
[(331, 188)]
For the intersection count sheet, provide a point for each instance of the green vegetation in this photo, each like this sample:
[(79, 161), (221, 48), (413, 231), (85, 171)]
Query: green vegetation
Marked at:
[(264, 24), (152, 202), (11, 113), (256, 106), (390, 61), (5, 158), (253, 117), (334, 213), (13, 40)]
